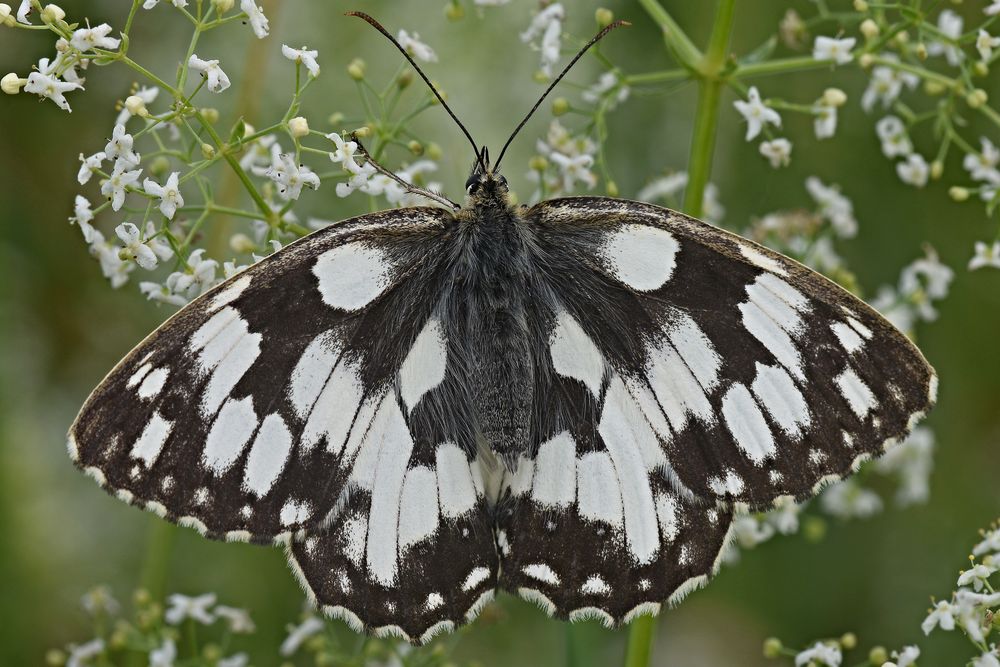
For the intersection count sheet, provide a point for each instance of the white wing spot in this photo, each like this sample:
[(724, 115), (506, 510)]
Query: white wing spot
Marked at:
[(777, 392), (600, 497), (641, 256), (848, 337), (352, 275), (229, 294), (355, 536), (555, 472), (434, 600), (230, 433), (747, 424), (390, 471), (268, 455), (574, 354), (865, 332), (732, 484), (695, 349), (595, 585), (856, 392), (477, 576), (456, 491), (312, 371), (295, 512), (760, 260), (418, 507), (136, 377), (424, 366), (153, 383), (666, 513), (150, 442), (542, 572)]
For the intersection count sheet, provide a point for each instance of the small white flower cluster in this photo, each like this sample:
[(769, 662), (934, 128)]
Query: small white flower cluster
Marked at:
[(668, 190), (609, 88), (365, 178), (545, 34), (564, 159), (921, 283), (758, 115)]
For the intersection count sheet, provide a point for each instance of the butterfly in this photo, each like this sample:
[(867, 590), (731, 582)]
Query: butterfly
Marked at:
[(567, 401)]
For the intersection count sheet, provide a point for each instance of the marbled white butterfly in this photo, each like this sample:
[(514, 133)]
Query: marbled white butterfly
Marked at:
[(566, 401)]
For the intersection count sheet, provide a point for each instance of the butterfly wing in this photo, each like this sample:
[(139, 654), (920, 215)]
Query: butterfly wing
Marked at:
[(244, 413), (760, 378)]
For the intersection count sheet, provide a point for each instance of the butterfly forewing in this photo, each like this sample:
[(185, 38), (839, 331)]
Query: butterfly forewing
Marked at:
[(760, 377), (242, 414)]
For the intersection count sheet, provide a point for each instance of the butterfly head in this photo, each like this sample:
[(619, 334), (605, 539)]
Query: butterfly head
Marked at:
[(486, 187)]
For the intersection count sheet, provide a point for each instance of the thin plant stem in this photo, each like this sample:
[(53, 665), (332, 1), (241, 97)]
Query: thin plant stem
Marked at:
[(156, 564)]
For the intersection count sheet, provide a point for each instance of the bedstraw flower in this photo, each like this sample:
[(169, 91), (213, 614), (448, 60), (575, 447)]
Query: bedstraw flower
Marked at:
[(756, 113), (218, 81)]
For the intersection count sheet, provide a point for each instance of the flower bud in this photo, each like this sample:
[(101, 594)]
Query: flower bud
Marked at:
[(902, 37), (833, 97), (210, 114), (363, 132), (356, 69), (612, 188), (814, 529), (560, 105), (848, 641), (142, 597), (878, 655), (136, 106), (299, 127), (242, 244), (454, 11), (869, 29), (934, 88), (980, 68), (12, 84), (6, 17), (405, 79), (604, 16), (212, 653), (52, 13), (207, 151), (160, 165), (540, 77), (937, 168), (860, 6), (538, 163), (773, 647), (336, 118), (62, 46), (921, 51), (53, 657), (223, 6), (866, 60), (434, 151), (415, 147), (977, 98), (958, 193)]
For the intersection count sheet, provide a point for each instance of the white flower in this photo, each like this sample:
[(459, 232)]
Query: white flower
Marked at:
[(895, 140), (357, 181), (664, 188), (149, 4), (116, 184), (82, 216), (833, 206), (258, 153), (785, 515), (256, 16), (82, 654), (134, 247), (886, 84), (912, 460), (907, 657), (171, 292), (297, 634), (217, 79), (416, 48), (344, 154), (989, 659), (119, 148), (943, 616), (181, 606), (547, 24), (200, 278), (238, 660), (837, 50), (756, 113), (985, 43), (86, 39), (824, 654), (750, 531), (914, 170), (950, 24), (777, 151), (163, 656), (89, 164), (238, 620), (825, 122), (993, 9), (983, 167), (929, 276), (52, 88), (608, 82), (113, 267), (157, 243), (99, 600), (169, 194), (985, 255), (712, 208), (976, 576), (22, 12), (490, 3), (291, 177), (573, 169), (848, 500), (147, 95), (303, 56), (989, 543)]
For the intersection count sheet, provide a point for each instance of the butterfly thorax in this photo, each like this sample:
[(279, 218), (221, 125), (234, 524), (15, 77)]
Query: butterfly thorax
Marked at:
[(489, 306)]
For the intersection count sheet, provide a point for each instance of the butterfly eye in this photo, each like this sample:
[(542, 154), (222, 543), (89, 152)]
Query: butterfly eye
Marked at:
[(472, 184), (503, 181)]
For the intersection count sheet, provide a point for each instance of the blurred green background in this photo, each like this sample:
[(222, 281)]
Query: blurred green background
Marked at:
[(62, 328)]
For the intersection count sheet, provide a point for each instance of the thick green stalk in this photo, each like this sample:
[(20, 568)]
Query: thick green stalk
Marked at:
[(679, 44), (706, 121), (640, 641)]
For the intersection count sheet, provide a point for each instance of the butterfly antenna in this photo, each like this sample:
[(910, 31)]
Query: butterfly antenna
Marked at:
[(598, 37), (378, 26)]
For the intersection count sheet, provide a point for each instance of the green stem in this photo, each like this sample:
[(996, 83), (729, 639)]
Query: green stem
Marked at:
[(780, 66), (159, 545), (678, 43), (640, 641), (707, 114)]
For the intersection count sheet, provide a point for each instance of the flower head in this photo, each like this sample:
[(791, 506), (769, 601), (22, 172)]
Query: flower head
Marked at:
[(144, 95), (82, 654), (895, 140), (86, 39), (238, 620), (756, 113), (119, 148), (51, 88), (777, 151), (950, 26), (833, 206), (298, 634), (914, 170), (169, 194), (291, 177), (134, 247), (547, 25), (88, 165), (825, 121), (907, 657), (416, 48), (183, 607), (117, 183), (82, 216), (255, 15), (218, 81), (983, 166), (985, 43), (303, 56), (163, 656), (976, 576), (837, 50), (824, 654)]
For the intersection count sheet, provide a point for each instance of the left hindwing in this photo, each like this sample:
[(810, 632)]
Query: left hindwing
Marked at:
[(760, 377)]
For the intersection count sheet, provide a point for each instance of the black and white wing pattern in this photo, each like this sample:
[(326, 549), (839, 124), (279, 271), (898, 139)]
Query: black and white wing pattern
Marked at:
[(294, 401), (761, 378)]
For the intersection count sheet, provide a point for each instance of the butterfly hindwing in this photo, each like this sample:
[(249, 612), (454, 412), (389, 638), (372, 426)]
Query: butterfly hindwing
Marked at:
[(242, 414), (760, 377)]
